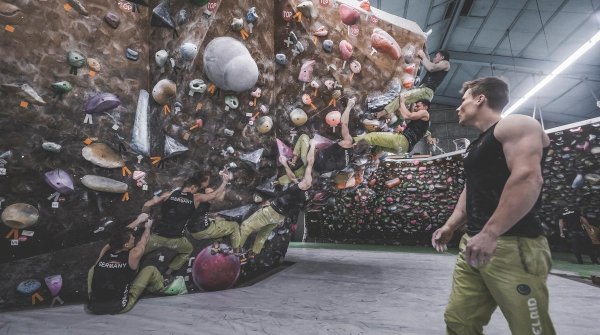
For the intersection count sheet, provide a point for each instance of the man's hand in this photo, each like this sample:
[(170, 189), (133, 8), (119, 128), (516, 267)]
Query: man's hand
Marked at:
[(351, 102), (149, 223), (480, 249), (421, 54), (432, 140), (562, 234), (226, 175), (441, 237)]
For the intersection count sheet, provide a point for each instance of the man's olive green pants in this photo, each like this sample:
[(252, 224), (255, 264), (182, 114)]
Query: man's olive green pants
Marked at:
[(262, 222), (391, 142), (410, 97), (514, 280), (149, 277), (300, 150), (181, 245), (220, 227)]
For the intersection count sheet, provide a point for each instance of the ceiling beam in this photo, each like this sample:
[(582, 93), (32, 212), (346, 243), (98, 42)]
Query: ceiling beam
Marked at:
[(543, 27), (486, 17), (537, 66), (510, 28), (455, 15)]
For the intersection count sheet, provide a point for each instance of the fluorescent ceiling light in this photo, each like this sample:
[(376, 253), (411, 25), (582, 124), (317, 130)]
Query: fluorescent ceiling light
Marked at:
[(570, 60)]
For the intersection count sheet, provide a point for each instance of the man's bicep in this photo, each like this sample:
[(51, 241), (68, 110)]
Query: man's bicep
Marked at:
[(523, 151)]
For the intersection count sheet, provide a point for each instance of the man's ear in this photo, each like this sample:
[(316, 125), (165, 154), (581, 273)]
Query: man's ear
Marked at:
[(481, 99)]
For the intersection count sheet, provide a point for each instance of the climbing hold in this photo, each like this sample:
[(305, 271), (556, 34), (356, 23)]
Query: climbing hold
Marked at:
[(229, 65), (29, 286), (101, 102), (161, 16), (348, 15), (197, 86), (281, 59), (307, 8), (112, 19), (76, 60), (188, 51), (231, 102), (20, 215), (132, 54), (251, 15), (385, 43), (60, 181), (328, 46), (264, 124), (102, 155), (103, 184), (94, 64), (61, 88), (321, 31), (164, 91), (298, 117)]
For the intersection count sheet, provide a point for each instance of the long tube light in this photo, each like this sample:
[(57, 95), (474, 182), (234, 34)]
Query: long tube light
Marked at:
[(570, 60)]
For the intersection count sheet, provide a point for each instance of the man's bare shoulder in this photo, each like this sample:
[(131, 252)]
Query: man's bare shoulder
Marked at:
[(515, 126)]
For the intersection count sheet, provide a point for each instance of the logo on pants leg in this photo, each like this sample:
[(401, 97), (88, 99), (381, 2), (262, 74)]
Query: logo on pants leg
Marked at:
[(523, 289), (534, 316)]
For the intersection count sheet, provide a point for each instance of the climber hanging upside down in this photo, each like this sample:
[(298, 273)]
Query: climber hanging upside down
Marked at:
[(402, 142)]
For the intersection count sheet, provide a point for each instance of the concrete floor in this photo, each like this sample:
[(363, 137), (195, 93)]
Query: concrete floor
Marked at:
[(324, 292)]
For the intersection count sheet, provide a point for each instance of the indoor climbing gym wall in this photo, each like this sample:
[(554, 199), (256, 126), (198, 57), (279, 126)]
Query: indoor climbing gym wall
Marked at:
[(104, 105), (404, 201)]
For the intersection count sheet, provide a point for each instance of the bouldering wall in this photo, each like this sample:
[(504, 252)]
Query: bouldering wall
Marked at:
[(406, 200), (328, 51), (87, 98), (112, 103)]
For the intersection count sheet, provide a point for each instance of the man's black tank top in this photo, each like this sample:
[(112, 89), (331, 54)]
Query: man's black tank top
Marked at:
[(110, 283), (414, 132), (292, 199), (333, 158), (176, 211), (434, 79), (486, 174), (572, 219), (199, 221)]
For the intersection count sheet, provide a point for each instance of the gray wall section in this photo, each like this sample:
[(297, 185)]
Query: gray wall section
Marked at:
[(444, 125)]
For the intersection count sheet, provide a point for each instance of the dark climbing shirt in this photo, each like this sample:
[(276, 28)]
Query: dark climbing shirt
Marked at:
[(110, 283), (572, 219), (333, 158), (414, 132), (199, 220), (292, 199), (434, 79), (486, 174), (176, 211)]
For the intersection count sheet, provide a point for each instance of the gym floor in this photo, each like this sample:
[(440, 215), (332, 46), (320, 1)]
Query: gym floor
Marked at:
[(330, 289)]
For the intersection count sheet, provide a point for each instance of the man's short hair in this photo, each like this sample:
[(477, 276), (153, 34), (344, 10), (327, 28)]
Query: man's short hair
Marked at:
[(495, 90), (362, 147), (119, 237), (424, 102), (445, 54), (196, 180)]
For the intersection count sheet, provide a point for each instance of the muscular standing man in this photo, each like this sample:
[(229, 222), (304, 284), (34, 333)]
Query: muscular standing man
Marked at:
[(504, 258)]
